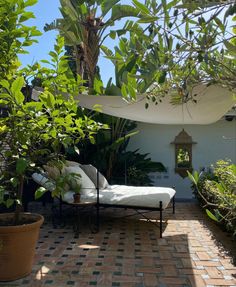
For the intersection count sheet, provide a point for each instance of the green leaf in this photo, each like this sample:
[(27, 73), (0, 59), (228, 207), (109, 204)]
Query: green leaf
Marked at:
[(124, 91), (193, 177), (107, 5), (21, 166), (112, 35), (148, 19), (230, 47), (53, 54), (39, 192), (30, 2), (143, 8), (5, 84), (211, 215), (16, 90), (162, 77), (17, 84), (26, 16), (9, 202)]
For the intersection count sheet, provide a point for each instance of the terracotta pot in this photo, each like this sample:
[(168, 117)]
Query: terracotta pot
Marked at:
[(17, 246), (76, 198)]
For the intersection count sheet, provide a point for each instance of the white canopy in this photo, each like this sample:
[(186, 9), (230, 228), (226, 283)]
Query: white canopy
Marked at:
[(213, 102)]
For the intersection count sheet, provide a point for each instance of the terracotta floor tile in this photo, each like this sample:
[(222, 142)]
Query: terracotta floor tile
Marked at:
[(128, 252)]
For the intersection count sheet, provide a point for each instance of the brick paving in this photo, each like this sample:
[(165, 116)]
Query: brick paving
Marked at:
[(128, 252)]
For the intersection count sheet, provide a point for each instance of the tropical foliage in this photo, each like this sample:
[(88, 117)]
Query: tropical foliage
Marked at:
[(35, 130), (111, 157), (216, 191), (84, 26)]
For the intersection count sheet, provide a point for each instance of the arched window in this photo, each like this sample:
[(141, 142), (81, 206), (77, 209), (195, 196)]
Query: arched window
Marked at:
[(183, 153)]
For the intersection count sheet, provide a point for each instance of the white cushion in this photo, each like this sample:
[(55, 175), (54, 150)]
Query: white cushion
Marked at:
[(68, 197), (43, 181), (91, 172)]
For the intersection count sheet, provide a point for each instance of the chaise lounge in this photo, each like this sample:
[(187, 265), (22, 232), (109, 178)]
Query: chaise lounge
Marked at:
[(95, 188)]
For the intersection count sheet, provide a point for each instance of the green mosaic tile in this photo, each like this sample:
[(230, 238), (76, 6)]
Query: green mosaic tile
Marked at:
[(41, 262), (96, 272), (118, 273), (54, 271), (48, 281), (93, 283), (79, 263), (115, 284), (74, 272), (71, 283), (98, 264), (101, 256), (60, 262)]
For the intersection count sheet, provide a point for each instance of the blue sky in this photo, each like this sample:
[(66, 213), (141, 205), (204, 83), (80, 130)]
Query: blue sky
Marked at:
[(45, 12)]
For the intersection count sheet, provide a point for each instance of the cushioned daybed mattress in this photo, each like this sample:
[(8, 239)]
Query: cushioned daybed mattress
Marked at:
[(143, 196)]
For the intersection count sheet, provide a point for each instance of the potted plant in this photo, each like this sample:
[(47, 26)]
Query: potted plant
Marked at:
[(31, 132)]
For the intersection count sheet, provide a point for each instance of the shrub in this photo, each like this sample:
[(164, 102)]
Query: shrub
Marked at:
[(216, 191)]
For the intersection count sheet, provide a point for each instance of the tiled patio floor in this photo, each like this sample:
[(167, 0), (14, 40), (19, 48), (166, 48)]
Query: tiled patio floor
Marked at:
[(128, 252)]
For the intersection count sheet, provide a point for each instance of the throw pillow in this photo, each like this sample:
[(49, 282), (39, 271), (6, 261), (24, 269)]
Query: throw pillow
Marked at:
[(52, 171), (91, 172)]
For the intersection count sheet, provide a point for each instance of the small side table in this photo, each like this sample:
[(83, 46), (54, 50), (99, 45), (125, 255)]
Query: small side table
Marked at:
[(79, 207)]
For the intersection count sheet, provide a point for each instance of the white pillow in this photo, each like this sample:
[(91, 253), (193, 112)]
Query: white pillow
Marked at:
[(43, 181), (86, 183), (91, 172)]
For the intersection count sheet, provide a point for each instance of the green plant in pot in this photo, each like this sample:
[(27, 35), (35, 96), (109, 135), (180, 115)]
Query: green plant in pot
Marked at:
[(31, 133)]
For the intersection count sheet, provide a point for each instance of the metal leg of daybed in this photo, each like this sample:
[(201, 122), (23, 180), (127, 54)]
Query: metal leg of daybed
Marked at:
[(173, 204), (98, 205), (160, 206)]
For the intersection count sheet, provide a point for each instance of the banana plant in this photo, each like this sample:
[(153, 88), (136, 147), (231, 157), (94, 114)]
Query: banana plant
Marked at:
[(85, 25)]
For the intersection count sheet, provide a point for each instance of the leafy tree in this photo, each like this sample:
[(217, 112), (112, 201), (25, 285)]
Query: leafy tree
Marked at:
[(176, 46), (28, 129)]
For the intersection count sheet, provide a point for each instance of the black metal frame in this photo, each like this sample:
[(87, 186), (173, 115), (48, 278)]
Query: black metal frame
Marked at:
[(136, 208), (141, 210)]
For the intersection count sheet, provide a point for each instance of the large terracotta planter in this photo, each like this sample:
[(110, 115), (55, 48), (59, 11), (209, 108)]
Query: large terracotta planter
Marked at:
[(17, 246)]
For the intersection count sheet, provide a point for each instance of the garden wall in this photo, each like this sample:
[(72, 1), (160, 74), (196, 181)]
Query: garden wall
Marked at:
[(213, 142)]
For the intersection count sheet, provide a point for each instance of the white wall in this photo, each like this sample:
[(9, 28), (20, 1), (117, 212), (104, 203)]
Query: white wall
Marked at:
[(215, 141)]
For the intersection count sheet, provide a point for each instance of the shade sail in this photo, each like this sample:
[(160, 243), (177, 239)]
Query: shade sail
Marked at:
[(213, 102)]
